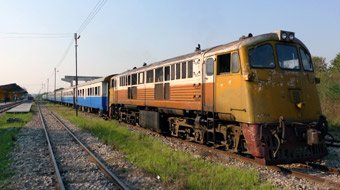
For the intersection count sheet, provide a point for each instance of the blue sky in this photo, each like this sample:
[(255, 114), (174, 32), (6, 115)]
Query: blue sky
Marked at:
[(125, 34)]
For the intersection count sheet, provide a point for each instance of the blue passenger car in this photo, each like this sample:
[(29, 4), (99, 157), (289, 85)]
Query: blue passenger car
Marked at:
[(92, 95)]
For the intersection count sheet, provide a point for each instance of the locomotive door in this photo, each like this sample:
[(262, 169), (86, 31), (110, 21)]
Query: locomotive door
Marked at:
[(113, 93), (208, 84), (229, 95)]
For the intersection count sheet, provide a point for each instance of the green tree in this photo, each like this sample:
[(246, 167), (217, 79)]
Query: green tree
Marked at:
[(320, 64), (335, 64)]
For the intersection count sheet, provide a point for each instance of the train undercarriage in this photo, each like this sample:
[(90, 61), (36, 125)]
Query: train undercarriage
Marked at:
[(274, 143)]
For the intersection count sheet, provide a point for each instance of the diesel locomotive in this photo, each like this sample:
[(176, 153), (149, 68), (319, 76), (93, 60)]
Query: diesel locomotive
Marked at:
[(254, 96)]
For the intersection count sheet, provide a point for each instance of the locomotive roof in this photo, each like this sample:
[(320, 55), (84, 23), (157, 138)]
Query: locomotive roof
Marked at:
[(243, 41)]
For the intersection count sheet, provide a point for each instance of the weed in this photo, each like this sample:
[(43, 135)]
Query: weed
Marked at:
[(173, 167)]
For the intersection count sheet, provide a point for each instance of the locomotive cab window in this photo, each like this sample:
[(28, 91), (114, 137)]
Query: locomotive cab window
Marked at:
[(261, 56), (223, 63), (235, 62), (306, 60), (209, 66), (112, 83), (287, 56)]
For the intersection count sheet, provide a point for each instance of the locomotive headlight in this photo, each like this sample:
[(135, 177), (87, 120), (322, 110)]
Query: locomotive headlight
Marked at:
[(291, 36), (285, 35), (300, 105)]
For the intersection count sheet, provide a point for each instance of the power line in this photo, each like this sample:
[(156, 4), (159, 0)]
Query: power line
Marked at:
[(34, 35), (81, 28), (92, 14), (65, 53)]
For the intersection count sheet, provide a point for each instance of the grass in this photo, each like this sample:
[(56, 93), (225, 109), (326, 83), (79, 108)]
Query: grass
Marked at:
[(8, 132), (173, 167), (334, 129)]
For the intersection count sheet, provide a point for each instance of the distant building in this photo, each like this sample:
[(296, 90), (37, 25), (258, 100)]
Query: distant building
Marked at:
[(12, 92)]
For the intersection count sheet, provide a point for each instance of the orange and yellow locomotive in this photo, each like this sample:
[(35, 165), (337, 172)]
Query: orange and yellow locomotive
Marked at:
[(256, 96)]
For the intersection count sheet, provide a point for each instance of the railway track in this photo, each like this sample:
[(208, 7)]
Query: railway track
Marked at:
[(284, 169), (319, 179), (308, 174), (333, 143), (6, 107), (76, 167)]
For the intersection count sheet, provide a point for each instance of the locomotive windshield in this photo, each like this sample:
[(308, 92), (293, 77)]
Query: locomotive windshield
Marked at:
[(288, 57), (261, 56)]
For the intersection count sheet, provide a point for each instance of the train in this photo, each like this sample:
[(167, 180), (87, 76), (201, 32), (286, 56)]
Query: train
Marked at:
[(255, 96)]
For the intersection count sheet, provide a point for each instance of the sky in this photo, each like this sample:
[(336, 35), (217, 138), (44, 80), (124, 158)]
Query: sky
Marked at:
[(36, 36)]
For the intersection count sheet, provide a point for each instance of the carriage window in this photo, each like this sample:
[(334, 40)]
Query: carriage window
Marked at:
[(95, 91), (173, 72), (129, 80), (159, 74), (98, 90), (223, 63), (306, 60), (141, 78), (178, 70), (134, 79), (184, 70), (112, 83), (209, 66), (167, 73), (288, 57), (235, 62), (149, 76), (261, 56), (190, 69)]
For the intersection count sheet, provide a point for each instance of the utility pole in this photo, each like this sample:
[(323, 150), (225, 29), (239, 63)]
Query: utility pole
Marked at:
[(55, 83), (47, 87), (76, 37)]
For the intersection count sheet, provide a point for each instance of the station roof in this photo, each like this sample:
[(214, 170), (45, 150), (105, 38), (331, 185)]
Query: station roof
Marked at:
[(80, 78), (13, 87)]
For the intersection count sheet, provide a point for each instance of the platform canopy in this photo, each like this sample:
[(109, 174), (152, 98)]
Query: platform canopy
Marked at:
[(9, 92), (72, 79), (13, 87)]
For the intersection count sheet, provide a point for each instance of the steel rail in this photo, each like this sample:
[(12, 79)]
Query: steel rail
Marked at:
[(56, 169), (324, 168), (102, 166), (297, 174), (5, 108)]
